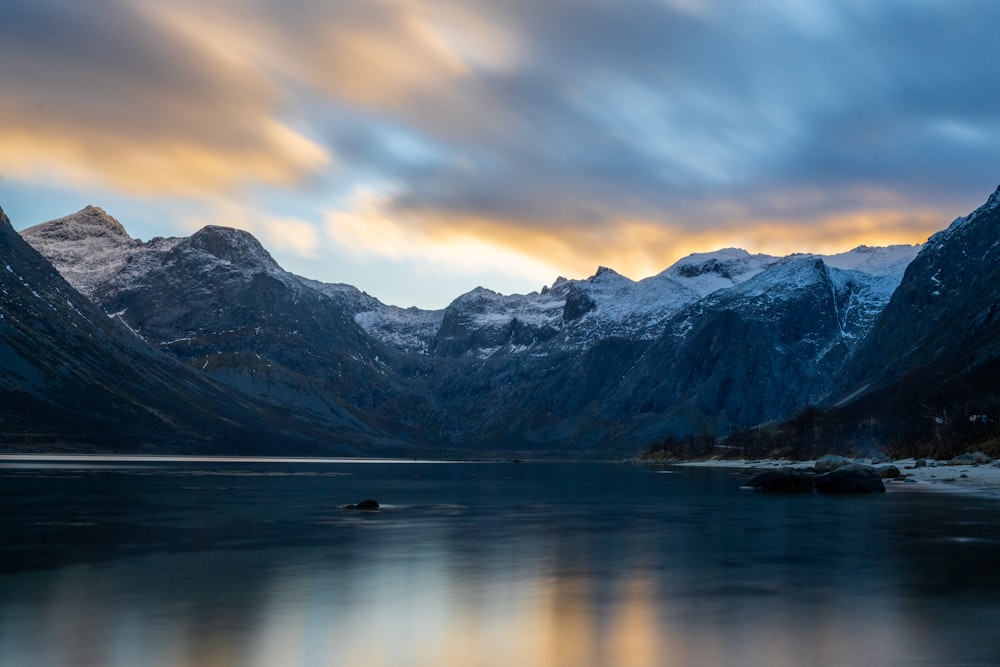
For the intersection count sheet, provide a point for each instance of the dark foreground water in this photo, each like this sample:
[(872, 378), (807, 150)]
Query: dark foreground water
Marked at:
[(219, 564)]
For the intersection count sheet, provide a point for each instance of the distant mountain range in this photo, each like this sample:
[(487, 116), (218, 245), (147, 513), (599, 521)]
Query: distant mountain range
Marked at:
[(204, 343)]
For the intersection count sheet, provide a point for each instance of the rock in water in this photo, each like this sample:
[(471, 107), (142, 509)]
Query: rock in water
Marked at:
[(368, 504), (853, 478), (786, 480)]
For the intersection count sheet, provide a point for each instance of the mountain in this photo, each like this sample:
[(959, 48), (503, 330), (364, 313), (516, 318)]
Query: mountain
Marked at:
[(569, 315), (945, 311), (73, 379), (717, 341), (218, 302), (926, 378), (742, 355), (932, 360)]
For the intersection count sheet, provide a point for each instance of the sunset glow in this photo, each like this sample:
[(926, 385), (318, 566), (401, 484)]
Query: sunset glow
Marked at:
[(416, 150)]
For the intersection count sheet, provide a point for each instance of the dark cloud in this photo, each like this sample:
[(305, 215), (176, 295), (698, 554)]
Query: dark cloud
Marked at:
[(540, 114), (652, 112)]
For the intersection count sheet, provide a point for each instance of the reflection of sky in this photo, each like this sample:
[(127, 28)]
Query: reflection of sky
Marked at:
[(419, 149), (210, 564), (419, 598)]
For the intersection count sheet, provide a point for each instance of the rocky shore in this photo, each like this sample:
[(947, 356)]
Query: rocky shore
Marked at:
[(972, 472)]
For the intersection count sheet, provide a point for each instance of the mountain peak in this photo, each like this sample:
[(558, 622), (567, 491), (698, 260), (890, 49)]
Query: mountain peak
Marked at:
[(994, 198), (239, 247), (97, 218), (604, 273), (991, 205), (87, 223)]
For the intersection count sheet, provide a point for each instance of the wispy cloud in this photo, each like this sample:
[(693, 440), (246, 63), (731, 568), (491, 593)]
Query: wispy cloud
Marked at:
[(107, 93), (556, 135), (287, 234)]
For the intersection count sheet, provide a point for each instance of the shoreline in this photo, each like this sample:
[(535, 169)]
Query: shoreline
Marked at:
[(982, 479)]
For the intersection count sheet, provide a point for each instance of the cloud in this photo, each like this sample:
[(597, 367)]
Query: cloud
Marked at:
[(106, 93), (283, 234), (367, 225), (530, 136), (361, 225), (665, 114)]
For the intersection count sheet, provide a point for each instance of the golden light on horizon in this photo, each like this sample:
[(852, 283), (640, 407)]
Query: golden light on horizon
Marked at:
[(369, 226)]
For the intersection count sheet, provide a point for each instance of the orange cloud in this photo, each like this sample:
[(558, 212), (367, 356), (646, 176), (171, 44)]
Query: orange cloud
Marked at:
[(400, 49), (365, 227), (69, 150), (198, 96), (175, 115), (368, 226)]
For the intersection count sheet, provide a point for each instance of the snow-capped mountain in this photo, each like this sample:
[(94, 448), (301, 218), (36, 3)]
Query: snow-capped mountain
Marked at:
[(717, 339), (73, 380), (96, 255), (574, 314), (925, 379), (219, 302), (947, 310)]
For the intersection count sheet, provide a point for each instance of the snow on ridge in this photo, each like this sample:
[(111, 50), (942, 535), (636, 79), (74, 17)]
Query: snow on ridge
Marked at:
[(90, 248), (86, 223), (621, 306), (708, 272), (87, 247), (876, 261), (783, 277), (409, 328)]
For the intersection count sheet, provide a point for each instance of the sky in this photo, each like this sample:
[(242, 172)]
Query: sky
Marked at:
[(419, 149)]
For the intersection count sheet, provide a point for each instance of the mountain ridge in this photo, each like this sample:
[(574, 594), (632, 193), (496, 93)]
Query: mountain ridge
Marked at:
[(73, 379), (712, 344), (925, 381)]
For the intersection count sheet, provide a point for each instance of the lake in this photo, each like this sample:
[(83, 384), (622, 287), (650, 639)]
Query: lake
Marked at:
[(218, 563)]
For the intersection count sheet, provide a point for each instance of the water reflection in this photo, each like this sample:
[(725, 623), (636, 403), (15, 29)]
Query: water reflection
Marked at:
[(524, 573), (406, 610)]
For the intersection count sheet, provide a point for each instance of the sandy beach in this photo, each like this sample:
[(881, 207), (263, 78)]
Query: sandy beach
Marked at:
[(936, 475)]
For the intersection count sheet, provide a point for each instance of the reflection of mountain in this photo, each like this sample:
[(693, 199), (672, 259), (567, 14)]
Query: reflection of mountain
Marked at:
[(237, 564)]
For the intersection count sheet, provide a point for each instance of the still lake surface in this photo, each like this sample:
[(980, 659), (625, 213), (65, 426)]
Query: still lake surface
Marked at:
[(253, 563)]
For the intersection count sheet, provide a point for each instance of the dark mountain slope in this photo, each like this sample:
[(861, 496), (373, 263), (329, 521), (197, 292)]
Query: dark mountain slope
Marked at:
[(946, 311), (744, 356), (70, 375), (219, 302), (926, 380)]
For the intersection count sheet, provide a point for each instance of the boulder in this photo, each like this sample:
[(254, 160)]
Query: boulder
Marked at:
[(830, 462), (785, 480), (920, 463), (970, 458), (368, 505), (889, 472), (852, 478)]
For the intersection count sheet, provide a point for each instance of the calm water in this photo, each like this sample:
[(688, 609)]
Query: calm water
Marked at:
[(218, 564)]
